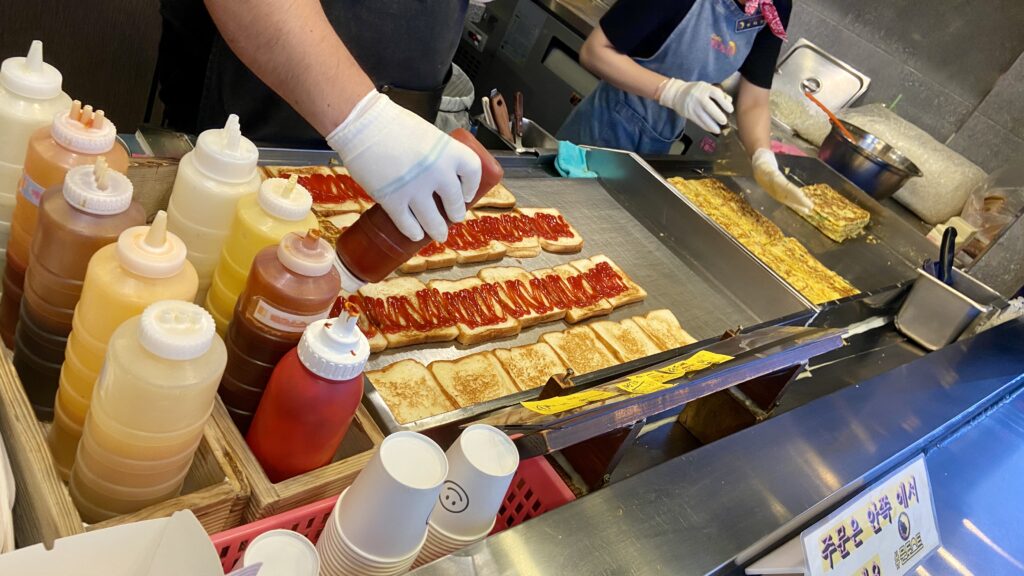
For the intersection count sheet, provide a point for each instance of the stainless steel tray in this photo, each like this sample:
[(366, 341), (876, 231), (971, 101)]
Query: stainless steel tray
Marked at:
[(685, 263), (888, 254)]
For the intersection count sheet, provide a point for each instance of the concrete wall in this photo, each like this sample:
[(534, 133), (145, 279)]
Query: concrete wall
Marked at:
[(957, 65)]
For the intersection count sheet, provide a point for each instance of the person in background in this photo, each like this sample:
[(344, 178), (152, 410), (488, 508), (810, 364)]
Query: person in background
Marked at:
[(659, 62), (299, 71)]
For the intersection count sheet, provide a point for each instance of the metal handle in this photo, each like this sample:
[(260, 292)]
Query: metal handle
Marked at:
[(812, 85)]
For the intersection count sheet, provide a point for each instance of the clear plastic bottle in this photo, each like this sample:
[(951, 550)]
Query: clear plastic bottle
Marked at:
[(30, 95), (75, 138), (262, 219), (211, 180), (146, 265), (151, 403), (289, 286), (89, 212)]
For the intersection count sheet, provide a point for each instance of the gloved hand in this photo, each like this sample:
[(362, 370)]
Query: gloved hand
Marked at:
[(775, 183), (696, 101), (402, 160)]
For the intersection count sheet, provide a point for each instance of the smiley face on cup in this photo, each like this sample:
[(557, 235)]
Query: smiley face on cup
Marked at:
[(453, 497)]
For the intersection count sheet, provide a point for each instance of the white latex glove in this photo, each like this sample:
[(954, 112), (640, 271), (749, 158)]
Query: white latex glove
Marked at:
[(402, 160), (775, 183), (696, 101)]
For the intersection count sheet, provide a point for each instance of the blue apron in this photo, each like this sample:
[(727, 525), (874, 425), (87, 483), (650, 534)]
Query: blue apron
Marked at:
[(710, 44)]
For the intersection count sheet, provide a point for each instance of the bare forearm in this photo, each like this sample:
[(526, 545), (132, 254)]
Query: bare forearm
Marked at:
[(754, 116), (292, 48), (603, 60)]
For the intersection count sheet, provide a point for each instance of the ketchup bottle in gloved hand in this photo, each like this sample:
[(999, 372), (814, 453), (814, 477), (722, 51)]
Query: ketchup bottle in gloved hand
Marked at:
[(311, 398), (374, 247)]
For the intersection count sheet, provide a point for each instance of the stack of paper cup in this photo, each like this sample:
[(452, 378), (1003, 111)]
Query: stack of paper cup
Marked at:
[(481, 464), (282, 553), (379, 523)]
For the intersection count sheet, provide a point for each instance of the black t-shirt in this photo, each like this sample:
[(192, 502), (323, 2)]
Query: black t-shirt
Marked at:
[(638, 28)]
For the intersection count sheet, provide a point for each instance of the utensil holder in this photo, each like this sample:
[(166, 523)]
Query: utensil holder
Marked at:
[(936, 314)]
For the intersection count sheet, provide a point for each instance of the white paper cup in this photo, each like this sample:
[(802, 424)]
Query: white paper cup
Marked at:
[(283, 553), (440, 544), (383, 515), (481, 464), (339, 558)]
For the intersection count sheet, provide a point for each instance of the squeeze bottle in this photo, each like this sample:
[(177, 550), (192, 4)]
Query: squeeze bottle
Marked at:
[(148, 412), (373, 247), (146, 265), (262, 219), (211, 180), (76, 137), (30, 95), (290, 285), (310, 399), (89, 212)]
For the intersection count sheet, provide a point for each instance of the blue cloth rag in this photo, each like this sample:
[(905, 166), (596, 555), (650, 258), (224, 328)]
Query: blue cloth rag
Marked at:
[(571, 161)]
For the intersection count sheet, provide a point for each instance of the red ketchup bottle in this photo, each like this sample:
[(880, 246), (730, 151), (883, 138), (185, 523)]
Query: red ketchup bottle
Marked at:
[(373, 247), (310, 399)]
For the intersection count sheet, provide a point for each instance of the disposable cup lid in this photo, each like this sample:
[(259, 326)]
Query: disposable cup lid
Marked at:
[(283, 553)]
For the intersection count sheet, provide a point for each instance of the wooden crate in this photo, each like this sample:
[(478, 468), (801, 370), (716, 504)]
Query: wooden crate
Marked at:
[(268, 499), (43, 511)]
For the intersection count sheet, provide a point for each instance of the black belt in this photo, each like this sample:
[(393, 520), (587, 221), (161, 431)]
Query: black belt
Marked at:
[(423, 103)]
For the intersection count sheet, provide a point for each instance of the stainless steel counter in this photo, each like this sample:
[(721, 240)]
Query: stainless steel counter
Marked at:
[(720, 506)]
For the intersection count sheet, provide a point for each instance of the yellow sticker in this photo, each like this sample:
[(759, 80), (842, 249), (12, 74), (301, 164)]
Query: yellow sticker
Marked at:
[(698, 361), (655, 380), (642, 386), (562, 403)]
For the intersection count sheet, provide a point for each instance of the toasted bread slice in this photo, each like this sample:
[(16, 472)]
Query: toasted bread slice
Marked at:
[(530, 366), (554, 232), (405, 331), (430, 258), (480, 317), (333, 190), (567, 282), (377, 340), (580, 349), (625, 339), (474, 379), (470, 247), (411, 391), (663, 327), (632, 293), (517, 289), (515, 233), (332, 226), (497, 197)]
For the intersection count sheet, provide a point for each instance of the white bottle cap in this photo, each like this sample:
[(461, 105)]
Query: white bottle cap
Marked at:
[(176, 330), (285, 199), (84, 131), (98, 189), (29, 76), (151, 251), (335, 348), (308, 255), (349, 282), (224, 154)]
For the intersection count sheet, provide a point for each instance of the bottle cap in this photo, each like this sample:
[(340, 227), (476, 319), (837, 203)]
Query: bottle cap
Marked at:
[(98, 189), (176, 330), (308, 255), (151, 251), (84, 131), (285, 199), (335, 348), (349, 282), (29, 76), (224, 154)]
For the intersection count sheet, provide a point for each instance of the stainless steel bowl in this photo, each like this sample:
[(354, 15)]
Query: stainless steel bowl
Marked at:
[(874, 166)]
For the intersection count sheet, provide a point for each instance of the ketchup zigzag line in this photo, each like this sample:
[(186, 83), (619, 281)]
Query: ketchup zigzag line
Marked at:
[(509, 228), (332, 188)]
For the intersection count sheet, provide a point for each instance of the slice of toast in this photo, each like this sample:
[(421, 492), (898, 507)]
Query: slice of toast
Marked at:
[(479, 317), (663, 327), (470, 247), (518, 289), (497, 197), (625, 339), (411, 391), (473, 379), (333, 190), (332, 226), (530, 366), (554, 232), (514, 232), (580, 349), (377, 340), (433, 256), (631, 291), (568, 283), (404, 329)]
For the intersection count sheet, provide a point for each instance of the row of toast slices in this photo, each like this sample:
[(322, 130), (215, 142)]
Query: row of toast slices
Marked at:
[(413, 391), (405, 286)]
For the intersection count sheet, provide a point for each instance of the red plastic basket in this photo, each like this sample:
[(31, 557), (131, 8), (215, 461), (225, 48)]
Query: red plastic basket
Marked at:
[(535, 489)]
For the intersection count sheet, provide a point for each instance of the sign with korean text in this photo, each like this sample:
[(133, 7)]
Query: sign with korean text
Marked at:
[(885, 531)]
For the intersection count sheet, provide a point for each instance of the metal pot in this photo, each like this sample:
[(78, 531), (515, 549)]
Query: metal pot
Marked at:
[(874, 166)]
